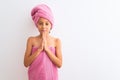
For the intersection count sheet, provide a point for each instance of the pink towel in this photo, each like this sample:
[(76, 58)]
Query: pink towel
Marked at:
[(42, 68), (42, 11)]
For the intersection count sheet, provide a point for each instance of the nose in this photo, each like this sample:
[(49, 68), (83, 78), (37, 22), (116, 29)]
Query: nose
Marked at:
[(43, 26)]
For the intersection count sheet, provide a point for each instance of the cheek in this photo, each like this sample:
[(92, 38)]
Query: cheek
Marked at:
[(50, 27), (38, 28)]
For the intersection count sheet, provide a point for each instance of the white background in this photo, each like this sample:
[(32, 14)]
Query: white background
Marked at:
[(89, 31)]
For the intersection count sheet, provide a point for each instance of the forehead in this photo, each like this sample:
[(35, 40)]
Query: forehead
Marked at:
[(43, 20)]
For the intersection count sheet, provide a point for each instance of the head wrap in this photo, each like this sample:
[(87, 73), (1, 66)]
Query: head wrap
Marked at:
[(42, 11)]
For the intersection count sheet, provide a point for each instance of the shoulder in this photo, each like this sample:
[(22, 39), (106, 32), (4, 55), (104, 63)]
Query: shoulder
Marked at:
[(57, 41), (31, 39)]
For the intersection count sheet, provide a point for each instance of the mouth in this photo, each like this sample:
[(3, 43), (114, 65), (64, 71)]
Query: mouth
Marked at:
[(44, 30)]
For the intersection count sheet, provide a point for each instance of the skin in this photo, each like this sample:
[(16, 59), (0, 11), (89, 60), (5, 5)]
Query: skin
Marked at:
[(43, 41)]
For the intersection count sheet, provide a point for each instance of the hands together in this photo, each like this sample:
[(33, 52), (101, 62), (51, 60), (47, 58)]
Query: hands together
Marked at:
[(44, 45)]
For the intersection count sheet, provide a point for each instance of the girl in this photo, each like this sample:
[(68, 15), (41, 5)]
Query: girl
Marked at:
[(43, 53)]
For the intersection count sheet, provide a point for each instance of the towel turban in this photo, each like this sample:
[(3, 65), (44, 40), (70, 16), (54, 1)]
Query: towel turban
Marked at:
[(42, 11)]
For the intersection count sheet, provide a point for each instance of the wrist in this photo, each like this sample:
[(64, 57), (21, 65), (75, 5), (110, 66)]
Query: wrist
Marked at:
[(39, 50)]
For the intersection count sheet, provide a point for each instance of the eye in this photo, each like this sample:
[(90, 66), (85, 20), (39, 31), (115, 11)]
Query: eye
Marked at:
[(40, 23), (47, 24)]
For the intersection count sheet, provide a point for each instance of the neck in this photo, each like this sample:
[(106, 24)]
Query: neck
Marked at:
[(47, 35)]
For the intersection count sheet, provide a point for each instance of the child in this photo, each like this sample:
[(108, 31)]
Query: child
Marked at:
[(43, 52)]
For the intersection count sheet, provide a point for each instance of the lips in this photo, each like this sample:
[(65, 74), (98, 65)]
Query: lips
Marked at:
[(44, 30)]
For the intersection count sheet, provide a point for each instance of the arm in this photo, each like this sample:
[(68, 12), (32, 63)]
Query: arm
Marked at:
[(28, 58), (56, 59)]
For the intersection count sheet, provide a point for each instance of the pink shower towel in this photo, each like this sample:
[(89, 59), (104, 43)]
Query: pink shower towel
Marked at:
[(42, 67), (42, 11)]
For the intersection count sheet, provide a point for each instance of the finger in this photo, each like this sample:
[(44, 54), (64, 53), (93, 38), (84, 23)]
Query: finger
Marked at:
[(43, 43), (43, 35)]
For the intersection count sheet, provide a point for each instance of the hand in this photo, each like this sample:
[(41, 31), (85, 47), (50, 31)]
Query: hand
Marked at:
[(44, 37), (40, 48)]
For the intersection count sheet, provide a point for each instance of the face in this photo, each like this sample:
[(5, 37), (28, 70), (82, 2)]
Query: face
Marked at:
[(43, 25)]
